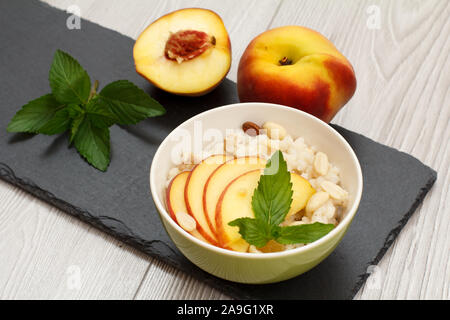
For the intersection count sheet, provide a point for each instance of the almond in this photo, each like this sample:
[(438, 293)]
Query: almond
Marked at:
[(274, 130), (251, 128), (321, 163), (317, 200), (334, 190)]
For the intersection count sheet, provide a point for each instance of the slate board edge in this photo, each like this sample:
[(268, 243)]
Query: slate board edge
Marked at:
[(401, 224), (147, 247), (394, 234), (8, 175)]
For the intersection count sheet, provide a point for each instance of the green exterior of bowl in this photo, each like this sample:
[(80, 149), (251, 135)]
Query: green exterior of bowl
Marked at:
[(248, 269)]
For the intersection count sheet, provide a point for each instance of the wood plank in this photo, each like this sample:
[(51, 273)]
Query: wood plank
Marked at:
[(402, 100), (47, 254), (165, 282)]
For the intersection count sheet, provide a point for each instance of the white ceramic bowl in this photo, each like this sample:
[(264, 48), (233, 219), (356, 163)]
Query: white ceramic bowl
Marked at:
[(258, 267)]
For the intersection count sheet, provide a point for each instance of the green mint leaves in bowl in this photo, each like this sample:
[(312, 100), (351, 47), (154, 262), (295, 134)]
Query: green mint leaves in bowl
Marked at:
[(75, 106), (271, 202)]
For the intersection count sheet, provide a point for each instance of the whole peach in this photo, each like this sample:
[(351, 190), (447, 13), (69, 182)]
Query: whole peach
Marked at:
[(297, 67)]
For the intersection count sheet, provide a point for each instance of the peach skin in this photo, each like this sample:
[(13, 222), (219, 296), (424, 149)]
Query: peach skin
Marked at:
[(297, 67)]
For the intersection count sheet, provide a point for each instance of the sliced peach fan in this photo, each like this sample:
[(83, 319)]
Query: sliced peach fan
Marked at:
[(193, 194), (219, 189)]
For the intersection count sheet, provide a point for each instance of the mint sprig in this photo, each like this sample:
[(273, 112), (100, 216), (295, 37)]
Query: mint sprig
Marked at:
[(271, 202), (69, 82), (75, 106)]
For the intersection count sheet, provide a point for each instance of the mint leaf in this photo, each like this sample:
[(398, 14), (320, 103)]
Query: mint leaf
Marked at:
[(304, 233), (35, 114), (99, 115), (127, 103), (92, 143), (254, 231), (75, 106), (59, 123), (74, 126), (271, 202), (69, 82), (74, 110), (76, 114), (273, 196)]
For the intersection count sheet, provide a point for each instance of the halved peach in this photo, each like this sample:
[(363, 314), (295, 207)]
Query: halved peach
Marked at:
[(186, 52), (175, 199), (193, 193)]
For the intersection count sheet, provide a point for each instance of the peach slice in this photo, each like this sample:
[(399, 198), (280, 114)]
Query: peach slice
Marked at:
[(221, 177), (235, 202), (302, 191), (186, 52), (193, 193), (175, 199)]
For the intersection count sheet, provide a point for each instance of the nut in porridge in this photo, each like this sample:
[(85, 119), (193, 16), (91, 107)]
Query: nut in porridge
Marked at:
[(334, 190), (321, 163), (251, 128), (316, 201), (274, 130)]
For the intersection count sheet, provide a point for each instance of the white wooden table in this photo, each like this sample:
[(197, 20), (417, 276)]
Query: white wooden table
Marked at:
[(400, 51)]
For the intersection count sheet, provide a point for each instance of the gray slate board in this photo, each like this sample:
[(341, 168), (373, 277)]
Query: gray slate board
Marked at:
[(118, 201)]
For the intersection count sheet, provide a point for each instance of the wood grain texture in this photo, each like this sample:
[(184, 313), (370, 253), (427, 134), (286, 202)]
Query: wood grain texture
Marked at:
[(402, 100), (46, 254), (162, 281)]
